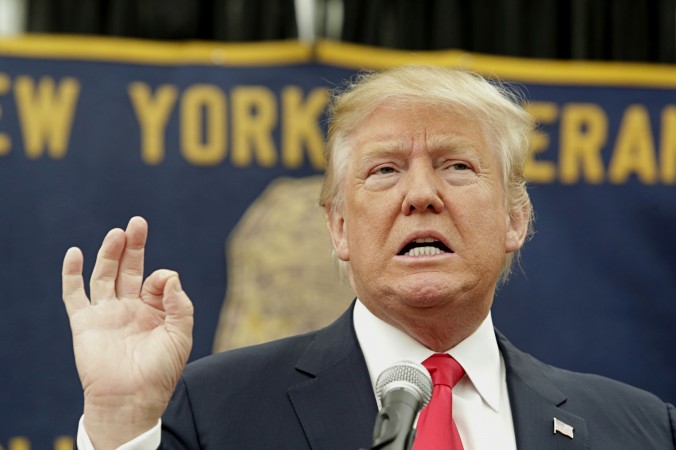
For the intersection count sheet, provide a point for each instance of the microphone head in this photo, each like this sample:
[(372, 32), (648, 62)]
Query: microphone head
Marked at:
[(408, 375)]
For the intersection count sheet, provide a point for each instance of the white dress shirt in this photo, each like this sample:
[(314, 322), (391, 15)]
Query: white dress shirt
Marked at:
[(149, 440), (481, 408)]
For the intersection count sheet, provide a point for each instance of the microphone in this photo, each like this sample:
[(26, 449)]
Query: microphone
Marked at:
[(404, 389)]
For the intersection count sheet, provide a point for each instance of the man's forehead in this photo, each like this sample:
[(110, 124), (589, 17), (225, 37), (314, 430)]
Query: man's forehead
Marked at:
[(441, 114), (396, 128), (395, 144)]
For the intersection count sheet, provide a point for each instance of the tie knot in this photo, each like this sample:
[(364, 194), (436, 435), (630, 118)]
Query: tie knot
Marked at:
[(444, 369)]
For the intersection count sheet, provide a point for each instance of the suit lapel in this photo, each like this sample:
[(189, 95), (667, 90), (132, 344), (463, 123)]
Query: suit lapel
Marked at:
[(336, 407), (536, 402)]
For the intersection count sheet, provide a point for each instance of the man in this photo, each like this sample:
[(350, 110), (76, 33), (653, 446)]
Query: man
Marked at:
[(427, 207)]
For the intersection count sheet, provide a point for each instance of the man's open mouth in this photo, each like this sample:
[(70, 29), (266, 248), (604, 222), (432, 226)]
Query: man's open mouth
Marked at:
[(425, 247)]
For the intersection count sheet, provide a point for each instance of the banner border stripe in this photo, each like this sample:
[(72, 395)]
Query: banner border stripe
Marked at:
[(538, 71), (348, 55), (149, 52)]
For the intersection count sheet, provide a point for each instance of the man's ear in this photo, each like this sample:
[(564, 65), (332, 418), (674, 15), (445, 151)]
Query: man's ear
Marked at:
[(518, 223), (337, 226)]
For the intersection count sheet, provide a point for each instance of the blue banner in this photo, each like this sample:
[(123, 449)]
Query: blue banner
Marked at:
[(219, 147)]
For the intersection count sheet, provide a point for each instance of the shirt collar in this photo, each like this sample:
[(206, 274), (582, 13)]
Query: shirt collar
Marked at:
[(384, 345)]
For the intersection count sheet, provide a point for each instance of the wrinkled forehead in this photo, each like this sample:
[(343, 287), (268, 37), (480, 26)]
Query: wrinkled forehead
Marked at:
[(393, 126)]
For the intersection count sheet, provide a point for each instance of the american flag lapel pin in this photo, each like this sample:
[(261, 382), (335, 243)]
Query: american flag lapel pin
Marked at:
[(563, 428)]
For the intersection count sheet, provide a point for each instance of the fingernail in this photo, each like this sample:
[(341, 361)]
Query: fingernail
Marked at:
[(177, 286)]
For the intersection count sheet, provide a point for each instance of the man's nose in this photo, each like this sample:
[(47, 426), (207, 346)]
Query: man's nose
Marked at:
[(421, 193)]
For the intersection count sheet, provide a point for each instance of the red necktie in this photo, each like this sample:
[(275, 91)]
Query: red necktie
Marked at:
[(436, 429)]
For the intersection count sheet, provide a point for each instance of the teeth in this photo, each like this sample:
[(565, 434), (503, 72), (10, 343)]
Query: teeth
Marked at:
[(424, 240), (424, 251)]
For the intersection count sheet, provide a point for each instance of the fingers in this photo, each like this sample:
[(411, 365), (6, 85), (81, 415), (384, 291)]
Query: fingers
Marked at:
[(130, 272), (104, 276), (74, 295), (154, 287), (163, 290)]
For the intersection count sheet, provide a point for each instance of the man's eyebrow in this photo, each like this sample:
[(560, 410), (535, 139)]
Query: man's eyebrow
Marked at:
[(385, 148), (438, 143), (451, 142)]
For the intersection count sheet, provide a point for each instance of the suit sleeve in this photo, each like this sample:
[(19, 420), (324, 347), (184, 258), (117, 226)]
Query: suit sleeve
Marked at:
[(178, 423)]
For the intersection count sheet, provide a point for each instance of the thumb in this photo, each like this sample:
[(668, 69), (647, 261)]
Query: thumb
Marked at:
[(178, 307)]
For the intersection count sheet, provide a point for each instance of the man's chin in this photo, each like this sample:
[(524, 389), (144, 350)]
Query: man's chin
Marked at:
[(429, 291), (422, 289)]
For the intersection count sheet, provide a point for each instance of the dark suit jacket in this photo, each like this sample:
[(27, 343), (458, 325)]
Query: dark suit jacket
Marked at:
[(313, 391)]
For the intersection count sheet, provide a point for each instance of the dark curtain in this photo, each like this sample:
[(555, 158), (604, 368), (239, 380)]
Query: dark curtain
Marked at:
[(626, 30), (227, 20)]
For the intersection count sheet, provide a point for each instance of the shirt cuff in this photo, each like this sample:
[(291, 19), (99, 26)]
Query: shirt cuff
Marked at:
[(150, 440)]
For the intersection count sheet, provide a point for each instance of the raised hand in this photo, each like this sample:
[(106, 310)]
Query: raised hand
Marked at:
[(131, 341)]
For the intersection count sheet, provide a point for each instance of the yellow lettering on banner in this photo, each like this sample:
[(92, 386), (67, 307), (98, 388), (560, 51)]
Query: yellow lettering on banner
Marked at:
[(301, 128), (668, 145), (254, 116), (535, 170), (22, 443), (203, 125), (584, 131), (634, 151), (46, 114), (152, 113), (63, 443), (19, 443), (4, 83), (5, 141)]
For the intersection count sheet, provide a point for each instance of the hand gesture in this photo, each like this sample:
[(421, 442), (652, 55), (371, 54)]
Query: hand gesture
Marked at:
[(131, 341)]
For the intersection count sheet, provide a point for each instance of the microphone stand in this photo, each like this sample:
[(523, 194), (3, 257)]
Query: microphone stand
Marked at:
[(393, 429)]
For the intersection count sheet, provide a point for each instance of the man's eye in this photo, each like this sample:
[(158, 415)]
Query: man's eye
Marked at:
[(460, 166), (384, 170)]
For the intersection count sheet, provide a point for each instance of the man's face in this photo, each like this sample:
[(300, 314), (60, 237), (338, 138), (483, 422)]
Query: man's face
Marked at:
[(424, 227)]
